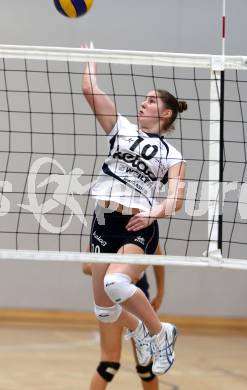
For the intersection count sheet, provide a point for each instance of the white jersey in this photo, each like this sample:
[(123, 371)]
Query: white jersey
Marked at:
[(136, 167)]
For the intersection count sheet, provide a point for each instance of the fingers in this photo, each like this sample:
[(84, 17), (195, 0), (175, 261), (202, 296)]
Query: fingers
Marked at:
[(137, 227), (90, 63), (134, 223), (86, 46), (137, 223), (131, 223)]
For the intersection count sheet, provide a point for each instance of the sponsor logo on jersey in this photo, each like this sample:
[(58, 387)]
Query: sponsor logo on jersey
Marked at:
[(140, 239), (136, 162), (99, 239), (139, 175)]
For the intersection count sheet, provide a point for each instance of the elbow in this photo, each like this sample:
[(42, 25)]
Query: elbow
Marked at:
[(88, 94), (86, 90), (179, 204), (86, 268)]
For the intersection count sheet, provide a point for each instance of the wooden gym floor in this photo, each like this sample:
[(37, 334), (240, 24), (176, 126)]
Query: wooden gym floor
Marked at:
[(59, 355)]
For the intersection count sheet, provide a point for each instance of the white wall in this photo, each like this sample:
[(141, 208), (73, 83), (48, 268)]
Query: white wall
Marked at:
[(62, 286)]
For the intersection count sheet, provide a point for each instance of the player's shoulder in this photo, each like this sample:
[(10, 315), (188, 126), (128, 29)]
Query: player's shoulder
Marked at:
[(124, 125), (171, 149), (123, 120)]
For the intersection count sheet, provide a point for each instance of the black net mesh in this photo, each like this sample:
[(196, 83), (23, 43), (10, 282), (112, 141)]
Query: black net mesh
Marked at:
[(52, 149)]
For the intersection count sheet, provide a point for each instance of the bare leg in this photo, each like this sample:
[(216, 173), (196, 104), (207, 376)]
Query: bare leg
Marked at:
[(110, 344), (138, 304)]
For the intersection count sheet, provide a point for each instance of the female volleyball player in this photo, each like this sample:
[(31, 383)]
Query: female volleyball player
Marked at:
[(111, 338), (125, 220)]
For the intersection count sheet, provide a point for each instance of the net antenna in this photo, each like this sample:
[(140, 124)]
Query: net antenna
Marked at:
[(34, 113), (216, 148)]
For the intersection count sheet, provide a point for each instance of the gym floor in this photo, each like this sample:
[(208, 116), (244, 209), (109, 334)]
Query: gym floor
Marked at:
[(49, 357)]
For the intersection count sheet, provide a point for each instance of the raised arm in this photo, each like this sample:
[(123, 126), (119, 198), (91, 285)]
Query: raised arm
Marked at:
[(99, 102)]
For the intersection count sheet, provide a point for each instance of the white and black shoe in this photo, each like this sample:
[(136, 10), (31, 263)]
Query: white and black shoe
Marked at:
[(162, 346), (142, 342)]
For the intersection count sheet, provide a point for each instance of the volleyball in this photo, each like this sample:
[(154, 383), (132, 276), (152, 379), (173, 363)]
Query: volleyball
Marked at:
[(73, 8)]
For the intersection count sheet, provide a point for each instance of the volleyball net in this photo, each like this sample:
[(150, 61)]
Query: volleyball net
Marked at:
[(52, 149)]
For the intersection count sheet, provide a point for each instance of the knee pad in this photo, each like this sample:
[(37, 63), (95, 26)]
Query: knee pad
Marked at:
[(119, 287), (145, 373), (107, 370), (107, 314)]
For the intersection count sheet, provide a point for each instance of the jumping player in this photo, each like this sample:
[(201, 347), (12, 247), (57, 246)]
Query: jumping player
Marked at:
[(140, 160)]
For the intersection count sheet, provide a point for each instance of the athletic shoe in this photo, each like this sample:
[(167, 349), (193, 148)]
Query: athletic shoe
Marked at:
[(141, 339), (162, 346)]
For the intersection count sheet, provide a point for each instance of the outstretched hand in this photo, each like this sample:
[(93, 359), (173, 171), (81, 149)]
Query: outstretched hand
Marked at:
[(91, 68), (86, 46)]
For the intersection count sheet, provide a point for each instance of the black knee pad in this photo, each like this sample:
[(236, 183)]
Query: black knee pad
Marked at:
[(107, 370), (145, 372)]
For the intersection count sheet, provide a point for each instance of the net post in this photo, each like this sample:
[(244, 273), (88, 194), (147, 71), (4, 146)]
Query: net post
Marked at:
[(221, 159), (216, 148), (221, 151)]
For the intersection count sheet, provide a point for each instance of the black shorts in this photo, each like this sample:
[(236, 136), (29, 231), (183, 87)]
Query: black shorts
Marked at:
[(144, 285), (109, 233)]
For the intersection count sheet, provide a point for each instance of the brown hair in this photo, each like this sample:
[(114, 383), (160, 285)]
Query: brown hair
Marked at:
[(177, 106)]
